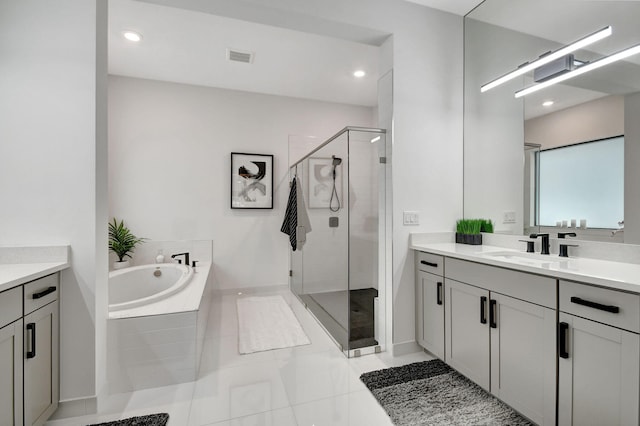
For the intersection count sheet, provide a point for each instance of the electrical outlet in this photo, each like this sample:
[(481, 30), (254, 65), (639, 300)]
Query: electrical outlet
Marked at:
[(410, 218), (509, 217)]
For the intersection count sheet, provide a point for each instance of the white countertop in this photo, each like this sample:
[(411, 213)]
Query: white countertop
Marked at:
[(15, 274), (615, 275)]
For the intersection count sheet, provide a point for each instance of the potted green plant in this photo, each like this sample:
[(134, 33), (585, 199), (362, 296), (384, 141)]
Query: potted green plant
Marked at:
[(468, 231), (122, 242)]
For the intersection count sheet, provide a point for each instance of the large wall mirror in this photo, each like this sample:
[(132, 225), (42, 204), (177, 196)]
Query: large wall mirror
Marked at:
[(568, 153)]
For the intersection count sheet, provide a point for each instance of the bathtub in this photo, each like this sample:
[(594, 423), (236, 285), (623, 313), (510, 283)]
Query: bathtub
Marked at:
[(146, 284), (156, 326)]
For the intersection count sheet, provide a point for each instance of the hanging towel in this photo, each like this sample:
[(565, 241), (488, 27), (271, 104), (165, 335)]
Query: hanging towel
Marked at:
[(291, 216), (296, 222), (304, 224)]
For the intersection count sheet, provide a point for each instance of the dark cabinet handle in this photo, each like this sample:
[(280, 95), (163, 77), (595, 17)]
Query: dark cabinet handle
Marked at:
[(32, 328), (433, 265), (595, 305), (439, 293), (493, 313), (483, 309), (563, 327), (43, 293)]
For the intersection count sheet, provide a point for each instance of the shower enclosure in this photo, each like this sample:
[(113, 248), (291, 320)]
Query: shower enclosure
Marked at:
[(339, 270)]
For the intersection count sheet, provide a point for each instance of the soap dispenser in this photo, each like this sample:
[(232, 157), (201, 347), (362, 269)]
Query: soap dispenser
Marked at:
[(160, 257)]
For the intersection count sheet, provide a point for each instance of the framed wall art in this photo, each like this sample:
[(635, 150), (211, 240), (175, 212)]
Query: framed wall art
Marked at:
[(251, 181)]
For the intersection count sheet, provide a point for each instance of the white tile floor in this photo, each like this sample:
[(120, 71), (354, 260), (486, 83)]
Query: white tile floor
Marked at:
[(306, 385)]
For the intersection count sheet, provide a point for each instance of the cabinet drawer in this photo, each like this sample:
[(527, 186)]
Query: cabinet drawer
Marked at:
[(40, 292), (10, 306), (600, 304), (431, 263), (521, 285)]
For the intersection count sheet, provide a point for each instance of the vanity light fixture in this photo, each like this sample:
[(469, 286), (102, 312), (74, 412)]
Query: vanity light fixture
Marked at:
[(549, 57), (132, 36), (359, 74), (633, 50), (547, 103)]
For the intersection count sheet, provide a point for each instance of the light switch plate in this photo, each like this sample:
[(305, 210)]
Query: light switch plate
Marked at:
[(509, 217), (410, 218)]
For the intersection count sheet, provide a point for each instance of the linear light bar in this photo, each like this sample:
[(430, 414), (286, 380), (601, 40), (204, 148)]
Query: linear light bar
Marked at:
[(634, 50), (545, 59)]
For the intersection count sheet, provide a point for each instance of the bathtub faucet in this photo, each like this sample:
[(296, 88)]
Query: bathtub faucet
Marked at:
[(186, 258)]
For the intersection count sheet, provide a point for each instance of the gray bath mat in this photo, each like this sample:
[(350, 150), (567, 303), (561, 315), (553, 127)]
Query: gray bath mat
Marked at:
[(432, 393), (150, 420)]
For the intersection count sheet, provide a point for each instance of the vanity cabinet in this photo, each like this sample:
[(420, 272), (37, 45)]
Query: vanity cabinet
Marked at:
[(430, 303), (500, 332), (599, 353), (11, 357), (29, 351)]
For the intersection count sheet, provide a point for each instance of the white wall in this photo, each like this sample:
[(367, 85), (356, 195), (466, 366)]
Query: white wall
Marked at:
[(599, 119), (50, 182), (631, 170), (427, 119), (169, 172)]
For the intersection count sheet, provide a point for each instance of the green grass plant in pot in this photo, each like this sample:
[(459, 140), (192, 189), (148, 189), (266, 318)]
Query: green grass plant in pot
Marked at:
[(468, 231), (122, 242)]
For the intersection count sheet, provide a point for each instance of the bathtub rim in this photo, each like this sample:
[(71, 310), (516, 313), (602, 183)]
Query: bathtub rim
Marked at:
[(185, 278), (186, 299)]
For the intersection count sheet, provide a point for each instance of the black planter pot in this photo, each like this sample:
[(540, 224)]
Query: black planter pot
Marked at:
[(471, 239)]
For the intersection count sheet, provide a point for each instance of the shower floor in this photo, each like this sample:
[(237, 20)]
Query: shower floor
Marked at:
[(356, 306)]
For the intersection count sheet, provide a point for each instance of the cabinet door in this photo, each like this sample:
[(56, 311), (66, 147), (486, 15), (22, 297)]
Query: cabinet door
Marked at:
[(431, 316), (467, 330), (11, 374), (523, 357), (598, 374), (41, 389)]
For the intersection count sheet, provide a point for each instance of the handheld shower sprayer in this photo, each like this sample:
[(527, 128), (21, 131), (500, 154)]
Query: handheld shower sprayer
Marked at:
[(335, 162)]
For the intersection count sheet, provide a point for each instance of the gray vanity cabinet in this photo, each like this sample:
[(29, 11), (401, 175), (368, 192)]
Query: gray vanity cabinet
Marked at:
[(41, 364), (500, 331), (599, 353), (41, 350), (29, 351), (11, 357), (430, 303)]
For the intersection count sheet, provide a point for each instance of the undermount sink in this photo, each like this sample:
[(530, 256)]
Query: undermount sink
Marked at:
[(532, 259)]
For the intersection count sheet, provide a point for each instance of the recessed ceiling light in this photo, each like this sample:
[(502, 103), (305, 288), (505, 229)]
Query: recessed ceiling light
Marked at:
[(132, 36), (359, 74), (547, 103)]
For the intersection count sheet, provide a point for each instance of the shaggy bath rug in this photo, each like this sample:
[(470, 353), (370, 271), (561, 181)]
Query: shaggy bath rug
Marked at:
[(432, 393), (150, 420)]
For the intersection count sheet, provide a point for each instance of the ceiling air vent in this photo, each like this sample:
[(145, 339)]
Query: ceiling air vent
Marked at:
[(239, 56)]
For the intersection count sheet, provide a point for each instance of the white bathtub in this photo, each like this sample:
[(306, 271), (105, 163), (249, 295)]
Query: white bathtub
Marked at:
[(146, 284), (157, 325)]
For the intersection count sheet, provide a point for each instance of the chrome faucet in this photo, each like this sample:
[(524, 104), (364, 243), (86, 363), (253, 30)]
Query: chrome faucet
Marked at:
[(186, 258), (545, 242)]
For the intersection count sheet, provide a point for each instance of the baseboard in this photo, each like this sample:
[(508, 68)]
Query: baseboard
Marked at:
[(405, 348), (250, 290), (75, 408)]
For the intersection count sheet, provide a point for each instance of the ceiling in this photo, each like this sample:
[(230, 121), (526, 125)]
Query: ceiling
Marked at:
[(458, 7), (295, 55)]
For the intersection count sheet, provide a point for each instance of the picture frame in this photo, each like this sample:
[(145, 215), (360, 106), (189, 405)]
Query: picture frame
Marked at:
[(251, 181), (321, 182)]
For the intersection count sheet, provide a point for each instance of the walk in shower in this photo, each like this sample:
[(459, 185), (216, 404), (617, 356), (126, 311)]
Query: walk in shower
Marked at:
[(338, 267)]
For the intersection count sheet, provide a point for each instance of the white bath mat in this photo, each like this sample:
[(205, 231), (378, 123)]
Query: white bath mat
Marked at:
[(267, 322)]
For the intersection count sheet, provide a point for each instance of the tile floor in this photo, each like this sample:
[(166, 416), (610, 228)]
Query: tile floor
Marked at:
[(306, 385)]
